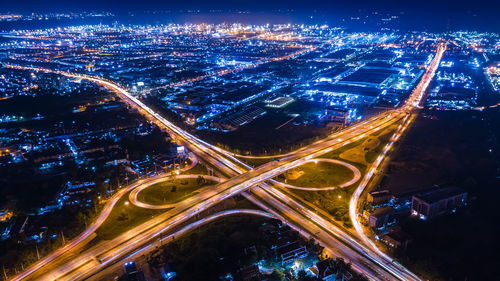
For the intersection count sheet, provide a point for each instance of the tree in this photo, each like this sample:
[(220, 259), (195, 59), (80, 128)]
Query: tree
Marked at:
[(276, 275), (200, 180), (314, 247), (101, 187), (122, 217), (302, 276)]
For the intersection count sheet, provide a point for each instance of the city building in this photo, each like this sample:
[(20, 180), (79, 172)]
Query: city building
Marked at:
[(238, 119), (250, 273), (5, 215), (379, 197), (380, 217), (334, 114), (439, 201), (328, 270), (396, 238), (132, 273), (280, 102), (289, 251)]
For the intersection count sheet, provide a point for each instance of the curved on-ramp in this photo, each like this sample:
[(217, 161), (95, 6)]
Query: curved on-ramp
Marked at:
[(96, 224), (355, 178), (86, 274), (133, 195)]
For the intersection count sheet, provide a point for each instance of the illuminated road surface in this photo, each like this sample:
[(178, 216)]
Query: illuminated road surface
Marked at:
[(128, 241), (98, 222), (112, 250), (133, 195), (355, 178), (414, 102), (228, 189), (113, 268)]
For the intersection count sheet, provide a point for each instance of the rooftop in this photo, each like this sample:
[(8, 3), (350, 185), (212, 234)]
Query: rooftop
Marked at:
[(440, 194)]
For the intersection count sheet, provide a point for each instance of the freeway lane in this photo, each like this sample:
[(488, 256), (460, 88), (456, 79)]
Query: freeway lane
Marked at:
[(273, 169), (133, 195), (191, 206), (167, 238), (102, 217), (358, 131), (322, 231), (355, 178), (254, 180), (412, 103)]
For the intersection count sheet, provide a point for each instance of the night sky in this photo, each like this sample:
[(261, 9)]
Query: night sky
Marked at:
[(477, 6), (477, 14)]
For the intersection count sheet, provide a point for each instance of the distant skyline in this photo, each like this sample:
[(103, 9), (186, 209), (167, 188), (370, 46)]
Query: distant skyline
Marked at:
[(423, 6), (426, 15)]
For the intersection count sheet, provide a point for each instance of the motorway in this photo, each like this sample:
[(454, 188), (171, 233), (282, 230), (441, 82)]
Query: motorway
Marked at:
[(101, 255), (353, 180), (112, 269), (135, 192), (193, 205), (413, 103), (108, 207)]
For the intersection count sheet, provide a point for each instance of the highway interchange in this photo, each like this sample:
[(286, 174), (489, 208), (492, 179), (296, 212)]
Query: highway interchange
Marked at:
[(255, 183)]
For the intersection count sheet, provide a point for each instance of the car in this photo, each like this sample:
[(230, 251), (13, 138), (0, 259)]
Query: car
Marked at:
[(133, 274), (130, 267)]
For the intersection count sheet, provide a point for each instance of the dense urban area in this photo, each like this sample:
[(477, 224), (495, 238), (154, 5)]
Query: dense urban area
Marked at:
[(234, 151)]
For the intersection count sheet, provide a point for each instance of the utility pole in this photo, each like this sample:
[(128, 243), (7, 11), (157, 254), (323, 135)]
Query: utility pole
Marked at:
[(37, 252), (4, 273), (62, 235)]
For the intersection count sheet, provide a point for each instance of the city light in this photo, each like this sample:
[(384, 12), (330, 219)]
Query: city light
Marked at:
[(294, 130)]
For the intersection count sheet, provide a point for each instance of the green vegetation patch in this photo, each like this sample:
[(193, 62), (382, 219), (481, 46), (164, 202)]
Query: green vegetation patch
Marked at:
[(124, 217), (172, 191), (198, 169), (367, 150), (357, 154), (335, 202), (320, 174)]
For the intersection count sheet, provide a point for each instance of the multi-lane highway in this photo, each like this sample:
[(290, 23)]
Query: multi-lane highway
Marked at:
[(412, 103), (355, 177), (106, 253), (133, 196), (229, 188), (108, 207), (170, 237)]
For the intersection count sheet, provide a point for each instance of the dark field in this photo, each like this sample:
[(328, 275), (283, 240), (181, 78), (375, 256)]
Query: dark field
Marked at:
[(460, 148)]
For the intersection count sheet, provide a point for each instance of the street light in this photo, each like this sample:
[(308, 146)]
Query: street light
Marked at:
[(126, 203)]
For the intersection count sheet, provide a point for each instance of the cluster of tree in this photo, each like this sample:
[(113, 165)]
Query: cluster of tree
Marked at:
[(222, 247), (327, 200), (18, 251)]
